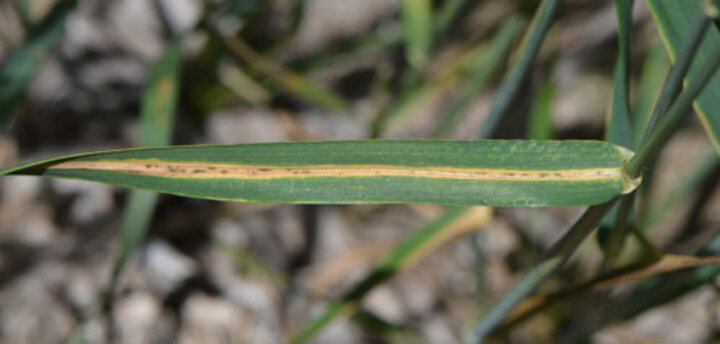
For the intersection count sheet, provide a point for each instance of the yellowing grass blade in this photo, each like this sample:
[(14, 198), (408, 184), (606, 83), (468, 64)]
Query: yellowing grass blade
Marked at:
[(484, 172)]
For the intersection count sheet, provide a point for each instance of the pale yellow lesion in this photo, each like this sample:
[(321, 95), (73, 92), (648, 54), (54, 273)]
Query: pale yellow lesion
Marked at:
[(173, 169), (630, 183)]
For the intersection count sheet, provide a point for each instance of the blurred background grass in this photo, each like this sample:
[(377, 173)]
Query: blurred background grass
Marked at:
[(76, 75)]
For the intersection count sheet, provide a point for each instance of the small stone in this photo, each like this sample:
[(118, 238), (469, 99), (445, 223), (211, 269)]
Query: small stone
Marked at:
[(346, 18), (437, 330), (244, 125), (30, 314), (384, 303), (165, 266), (182, 14), (686, 320), (212, 320), (93, 199), (139, 318)]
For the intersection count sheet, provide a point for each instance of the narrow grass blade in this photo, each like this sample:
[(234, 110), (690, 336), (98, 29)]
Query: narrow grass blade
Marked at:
[(660, 290), (562, 249), (417, 30), (646, 122), (668, 263), (244, 86), (161, 97), (555, 259), (448, 14), (618, 131), (253, 264), (156, 121), (427, 92), (655, 67), (676, 20), (692, 181), (19, 68), (484, 68), (484, 172), (685, 56), (383, 38), (540, 126), (618, 127), (655, 293), (392, 333), (510, 86), (24, 11), (701, 77), (451, 224), (665, 264), (139, 208), (289, 80), (616, 235)]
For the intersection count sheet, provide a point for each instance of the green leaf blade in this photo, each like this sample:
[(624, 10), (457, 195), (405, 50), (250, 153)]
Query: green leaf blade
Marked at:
[(418, 30), (655, 67), (363, 190), (489, 172), (619, 130), (526, 52), (674, 20), (540, 125), (18, 70), (161, 97)]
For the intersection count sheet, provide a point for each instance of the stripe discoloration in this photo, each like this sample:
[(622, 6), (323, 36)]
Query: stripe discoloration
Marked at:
[(215, 170)]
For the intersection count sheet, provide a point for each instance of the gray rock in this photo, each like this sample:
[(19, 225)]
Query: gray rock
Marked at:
[(166, 267)]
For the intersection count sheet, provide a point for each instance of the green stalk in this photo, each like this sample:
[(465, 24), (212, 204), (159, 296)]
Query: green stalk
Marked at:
[(529, 48), (619, 131), (655, 67), (675, 21), (666, 126), (556, 257), (616, 238)]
